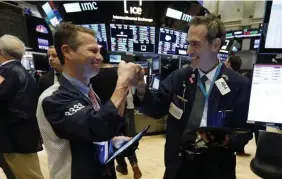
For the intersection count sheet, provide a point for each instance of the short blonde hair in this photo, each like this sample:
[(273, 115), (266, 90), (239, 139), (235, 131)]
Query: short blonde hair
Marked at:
[(214, 25), (12, 46)]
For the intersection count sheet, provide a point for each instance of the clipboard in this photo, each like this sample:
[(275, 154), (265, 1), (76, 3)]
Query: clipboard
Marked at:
[(136, 138)]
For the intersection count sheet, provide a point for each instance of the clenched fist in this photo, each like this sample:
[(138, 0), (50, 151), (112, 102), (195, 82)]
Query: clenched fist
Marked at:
[(128, 71)]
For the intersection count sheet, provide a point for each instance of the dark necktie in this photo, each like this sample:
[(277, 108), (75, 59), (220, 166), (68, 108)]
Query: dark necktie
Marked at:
[(197, 110), (204, 79)]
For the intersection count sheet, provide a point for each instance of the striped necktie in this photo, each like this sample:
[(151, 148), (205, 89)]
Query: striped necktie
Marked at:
[(93, 97)]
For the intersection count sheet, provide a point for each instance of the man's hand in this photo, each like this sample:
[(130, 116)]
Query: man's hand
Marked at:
[(209, 139), (1, 79), (139, 82), (118, 141), (128, 71)]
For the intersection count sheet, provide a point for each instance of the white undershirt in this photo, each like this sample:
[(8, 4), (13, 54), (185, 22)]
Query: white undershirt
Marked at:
[(210, 77)]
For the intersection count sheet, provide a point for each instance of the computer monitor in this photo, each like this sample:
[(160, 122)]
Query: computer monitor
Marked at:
[(256, 43), (101, 35), (156, 64), (115, 58), (172, 42), (155, 82), (53, 16), (222, 56), (132, 38), (41, 62), (266, 95), (271, 37), (144, 64)]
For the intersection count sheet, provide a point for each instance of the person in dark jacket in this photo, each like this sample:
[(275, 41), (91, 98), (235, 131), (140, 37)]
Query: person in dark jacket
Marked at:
[(191, 99), (7, 91), (77, 130), (51, 77), (20, 136), (235, 63)]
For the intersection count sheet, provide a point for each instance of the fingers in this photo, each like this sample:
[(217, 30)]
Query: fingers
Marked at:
[(1, 79)]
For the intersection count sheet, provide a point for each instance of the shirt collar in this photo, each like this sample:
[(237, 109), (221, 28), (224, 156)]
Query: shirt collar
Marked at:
[(84, 89), (210, 75), (7, 62)]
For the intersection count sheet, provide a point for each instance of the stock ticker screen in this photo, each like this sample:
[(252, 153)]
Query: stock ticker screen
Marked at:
[(100, 30), (132, 38), (172, 42)]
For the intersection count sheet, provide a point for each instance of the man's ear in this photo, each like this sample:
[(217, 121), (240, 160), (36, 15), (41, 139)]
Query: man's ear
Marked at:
[(216, 45), (66, 50)]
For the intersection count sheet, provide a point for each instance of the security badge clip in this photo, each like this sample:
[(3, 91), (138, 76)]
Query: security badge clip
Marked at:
[(182, 99)]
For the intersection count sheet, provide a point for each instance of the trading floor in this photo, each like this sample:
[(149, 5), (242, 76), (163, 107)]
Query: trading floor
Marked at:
[(151, 162)]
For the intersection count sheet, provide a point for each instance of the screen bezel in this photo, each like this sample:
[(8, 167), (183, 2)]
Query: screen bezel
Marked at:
[(259, 122), (140, 52), (262, 48), (173, 30)]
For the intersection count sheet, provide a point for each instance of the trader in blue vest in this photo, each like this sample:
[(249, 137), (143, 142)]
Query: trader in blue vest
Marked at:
[(209, 94)]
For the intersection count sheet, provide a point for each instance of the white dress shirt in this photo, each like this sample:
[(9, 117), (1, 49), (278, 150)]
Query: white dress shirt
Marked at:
[(210, 77)]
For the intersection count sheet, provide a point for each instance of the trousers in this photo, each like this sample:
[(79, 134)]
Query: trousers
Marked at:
[(24, 165), (3, 164)]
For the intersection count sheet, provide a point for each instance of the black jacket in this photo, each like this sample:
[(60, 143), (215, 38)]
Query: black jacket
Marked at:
[(72, 118), (45, 81), (104, 83), (235, 104), (20, 133)]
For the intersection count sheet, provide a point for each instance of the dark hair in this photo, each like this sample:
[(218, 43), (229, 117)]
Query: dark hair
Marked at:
[(66, 34), (214, 25), (235, 62)]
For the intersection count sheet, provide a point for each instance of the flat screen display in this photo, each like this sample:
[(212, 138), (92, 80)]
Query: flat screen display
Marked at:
[(172, 42), (132, 38), (52, 14), (274, 33), (223, 56), (156, 83), (256, 43), (266, 94), (143, 64), (155, 64), (43, 44), (115, 58), (101, 34), (41, 29), (271, 35)]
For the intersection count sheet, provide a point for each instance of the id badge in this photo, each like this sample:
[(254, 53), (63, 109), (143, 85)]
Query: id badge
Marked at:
[(222, 86), (175, 111)]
